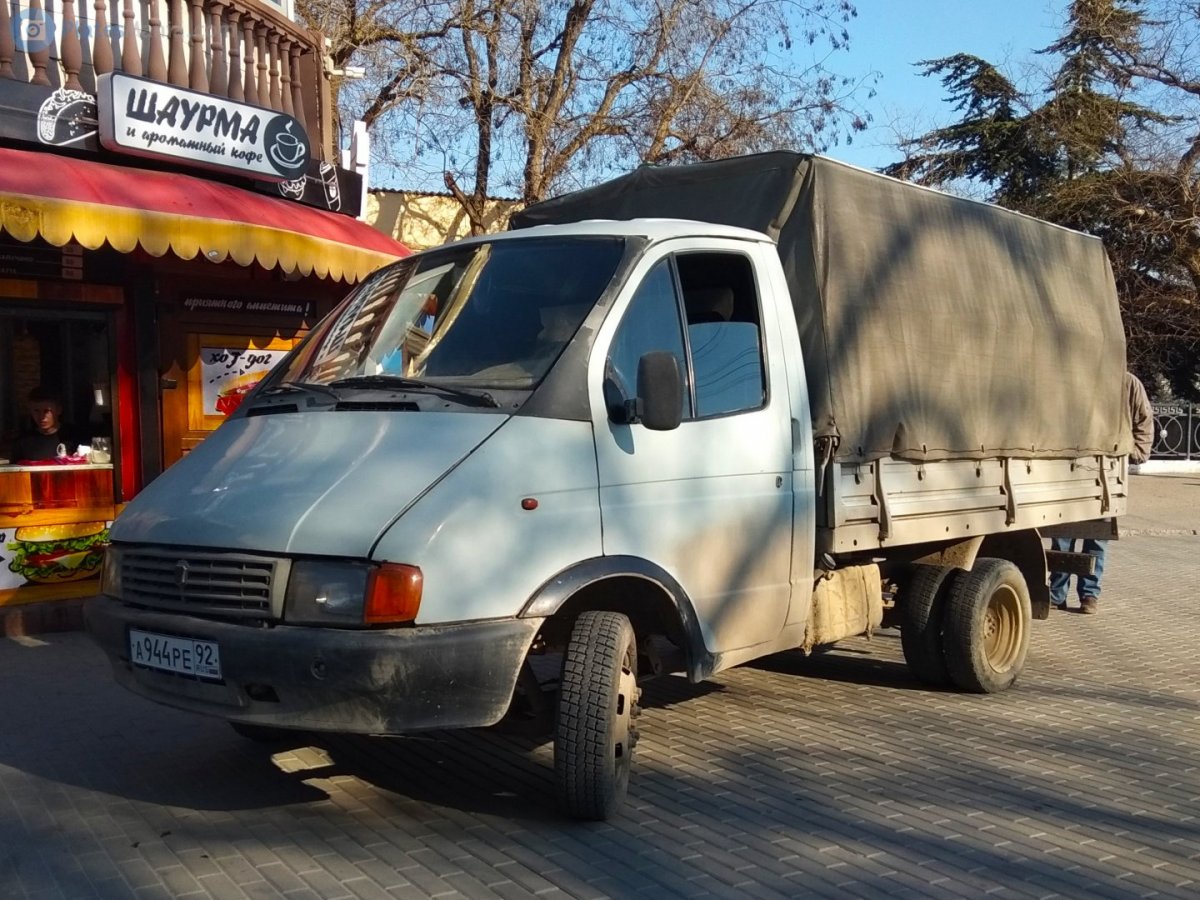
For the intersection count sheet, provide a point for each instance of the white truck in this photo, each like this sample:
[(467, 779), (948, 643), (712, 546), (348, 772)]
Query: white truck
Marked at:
[(518, 473)]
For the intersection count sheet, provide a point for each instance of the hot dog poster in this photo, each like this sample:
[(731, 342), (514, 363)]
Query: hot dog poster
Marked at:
[(227, 374), (222, 370)]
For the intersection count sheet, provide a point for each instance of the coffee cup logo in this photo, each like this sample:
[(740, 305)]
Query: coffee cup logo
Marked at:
[(287, 151)]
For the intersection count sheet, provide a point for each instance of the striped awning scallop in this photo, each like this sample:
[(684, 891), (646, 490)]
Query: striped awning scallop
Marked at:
[(63, 199)]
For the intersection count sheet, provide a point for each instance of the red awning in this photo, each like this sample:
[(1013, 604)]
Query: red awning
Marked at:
[(63, 199)]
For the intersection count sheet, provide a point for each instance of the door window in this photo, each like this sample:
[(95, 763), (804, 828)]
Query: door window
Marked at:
[(721, 351), (724, 332), (651, 323)]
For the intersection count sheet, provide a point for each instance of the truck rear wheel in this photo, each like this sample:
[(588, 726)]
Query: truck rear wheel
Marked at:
[(986, 631), (922, 609), (597, 702)]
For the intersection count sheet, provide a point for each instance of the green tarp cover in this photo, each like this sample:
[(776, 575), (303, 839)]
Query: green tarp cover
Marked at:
[(933, 327)]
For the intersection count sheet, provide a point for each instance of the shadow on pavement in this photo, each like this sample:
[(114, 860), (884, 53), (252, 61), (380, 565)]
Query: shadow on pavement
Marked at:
[(856, 662)]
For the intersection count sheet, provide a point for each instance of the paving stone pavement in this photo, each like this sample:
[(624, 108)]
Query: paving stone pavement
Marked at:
[(832, 776)]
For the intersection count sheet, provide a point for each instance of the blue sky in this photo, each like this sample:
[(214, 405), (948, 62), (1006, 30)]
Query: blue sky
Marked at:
[(890, 35)]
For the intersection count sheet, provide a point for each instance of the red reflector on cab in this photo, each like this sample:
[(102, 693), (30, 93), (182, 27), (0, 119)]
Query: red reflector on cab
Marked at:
[(529, 503), (393, 594)]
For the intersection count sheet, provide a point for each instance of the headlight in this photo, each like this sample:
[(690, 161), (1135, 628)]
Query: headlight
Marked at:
[(326, 593), (110, 574), (349, 594)]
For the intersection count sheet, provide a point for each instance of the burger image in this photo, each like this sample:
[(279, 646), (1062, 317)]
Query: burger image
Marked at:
[(52, 554)]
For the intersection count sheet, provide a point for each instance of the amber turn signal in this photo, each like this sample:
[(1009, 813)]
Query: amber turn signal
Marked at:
[(393, 594)]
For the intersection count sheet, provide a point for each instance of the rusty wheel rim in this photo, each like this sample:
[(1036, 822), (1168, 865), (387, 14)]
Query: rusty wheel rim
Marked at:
[(1002, 629)]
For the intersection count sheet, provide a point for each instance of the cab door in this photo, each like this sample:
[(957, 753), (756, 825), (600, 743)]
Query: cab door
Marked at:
[(710, 501)]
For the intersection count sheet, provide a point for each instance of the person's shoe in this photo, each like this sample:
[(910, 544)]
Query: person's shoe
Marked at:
[(1088, 606), (1061, 607)]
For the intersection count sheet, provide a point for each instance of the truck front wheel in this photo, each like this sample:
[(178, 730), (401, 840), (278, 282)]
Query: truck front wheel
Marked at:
[(986, 632), (597, 703)]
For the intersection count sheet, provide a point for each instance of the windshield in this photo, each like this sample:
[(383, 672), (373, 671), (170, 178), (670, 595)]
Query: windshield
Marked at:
[(495, 314)]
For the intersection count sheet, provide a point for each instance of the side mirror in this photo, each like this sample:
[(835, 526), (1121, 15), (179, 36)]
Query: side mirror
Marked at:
[(660, 391)]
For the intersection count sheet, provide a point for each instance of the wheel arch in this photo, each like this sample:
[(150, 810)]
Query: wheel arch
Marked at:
[(654, 602)]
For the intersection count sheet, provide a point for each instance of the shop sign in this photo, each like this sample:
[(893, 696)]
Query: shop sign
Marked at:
[(152, 119), (62, 118), (300, 308)]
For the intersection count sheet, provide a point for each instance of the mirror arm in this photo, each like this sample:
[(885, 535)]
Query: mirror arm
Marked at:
[(632, 410)]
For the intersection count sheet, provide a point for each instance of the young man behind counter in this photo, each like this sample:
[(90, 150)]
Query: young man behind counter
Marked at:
[(49, 431)]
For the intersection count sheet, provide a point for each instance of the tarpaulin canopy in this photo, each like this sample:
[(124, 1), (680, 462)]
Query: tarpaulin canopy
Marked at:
[(933, 327), (62, 199)]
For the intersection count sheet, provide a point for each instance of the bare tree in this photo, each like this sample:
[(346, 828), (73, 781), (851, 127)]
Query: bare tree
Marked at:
[(531, 97)]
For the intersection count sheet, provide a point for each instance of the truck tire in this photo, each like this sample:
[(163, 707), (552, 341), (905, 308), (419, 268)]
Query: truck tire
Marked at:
[(594, 735), (922, 611), (985, 635)]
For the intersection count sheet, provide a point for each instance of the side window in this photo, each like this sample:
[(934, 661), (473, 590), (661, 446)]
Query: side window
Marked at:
[(651, 323), (724, 332)]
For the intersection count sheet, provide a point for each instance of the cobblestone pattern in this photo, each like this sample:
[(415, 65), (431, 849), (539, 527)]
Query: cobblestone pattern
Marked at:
[(832, 776)]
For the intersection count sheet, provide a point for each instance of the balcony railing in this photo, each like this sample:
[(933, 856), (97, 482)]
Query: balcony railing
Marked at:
[(242, 50)]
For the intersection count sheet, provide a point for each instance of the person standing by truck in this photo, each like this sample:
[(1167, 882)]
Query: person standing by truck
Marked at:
[(1141, 419)]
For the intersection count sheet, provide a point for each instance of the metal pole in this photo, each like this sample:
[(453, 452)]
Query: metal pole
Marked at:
[(1191, 431)]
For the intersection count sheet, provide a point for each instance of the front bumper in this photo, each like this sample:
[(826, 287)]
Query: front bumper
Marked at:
[(324, 679)]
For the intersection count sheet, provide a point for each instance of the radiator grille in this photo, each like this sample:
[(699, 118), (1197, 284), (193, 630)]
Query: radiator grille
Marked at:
[(224, 585)]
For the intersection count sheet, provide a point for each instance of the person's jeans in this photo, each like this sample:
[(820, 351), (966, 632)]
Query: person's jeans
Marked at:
[(1087, 585)]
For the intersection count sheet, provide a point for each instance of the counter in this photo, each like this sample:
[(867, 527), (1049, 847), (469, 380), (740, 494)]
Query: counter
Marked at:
[(44, 495)]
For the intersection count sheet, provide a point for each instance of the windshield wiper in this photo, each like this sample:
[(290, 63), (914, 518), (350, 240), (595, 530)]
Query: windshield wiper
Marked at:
[(470, 397), (307, 387)]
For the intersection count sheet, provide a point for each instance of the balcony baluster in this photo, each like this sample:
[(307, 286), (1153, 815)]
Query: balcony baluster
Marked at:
[(8, 46), (131, 56), (218, 83), (235, 57), (177, 73), (197, 59), (71, 51), (102, 52), (249, 88), (158, 61), (39, 58), (285, 77), (298, 89), (273, 60), (264, 84)]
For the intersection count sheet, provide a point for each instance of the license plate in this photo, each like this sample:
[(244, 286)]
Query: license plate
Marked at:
[(184, 656)]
